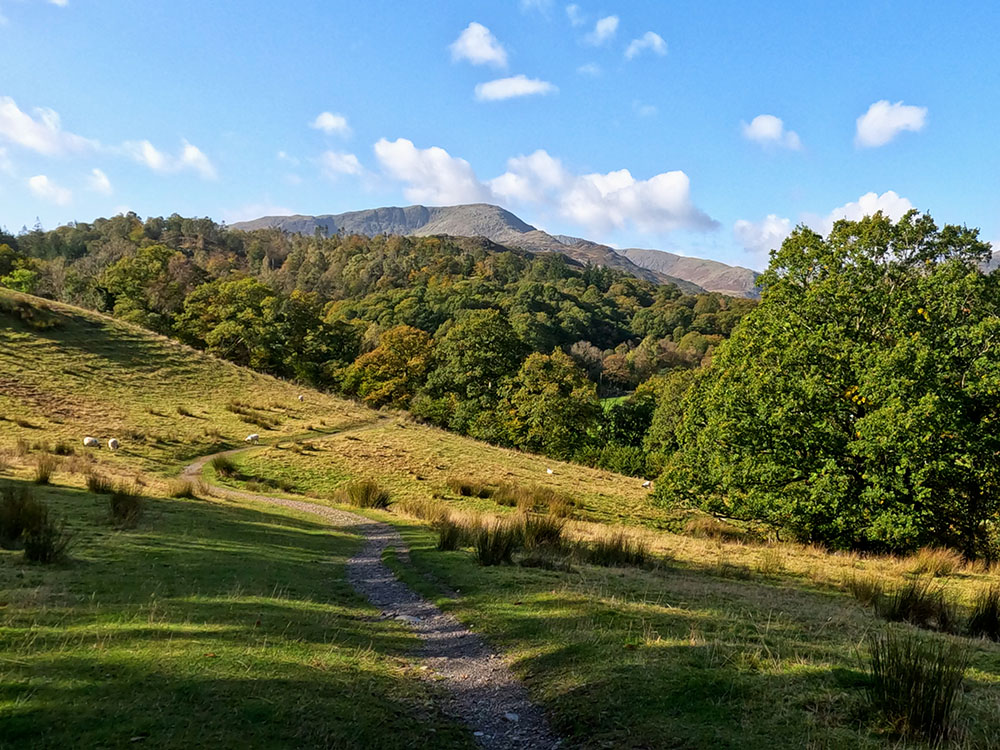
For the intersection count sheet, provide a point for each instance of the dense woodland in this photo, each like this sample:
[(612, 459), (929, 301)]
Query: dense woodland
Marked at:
[(500, 344), (857, 405)]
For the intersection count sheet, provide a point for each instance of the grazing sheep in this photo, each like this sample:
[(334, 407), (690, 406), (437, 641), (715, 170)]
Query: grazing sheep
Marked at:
[(302, 398), (113, 444), (252, 438), (647, 484), (91, 442), (548, 471)]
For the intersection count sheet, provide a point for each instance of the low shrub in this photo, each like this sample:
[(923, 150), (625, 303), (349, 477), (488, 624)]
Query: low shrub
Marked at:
[(494, 541), (181, 488), (98, 484), (366, 494), (919, 603), (984, 622), (615, 549), (867, 589), (915, 682), (125, 505), (937, 561), (45, 467), (224, 466)]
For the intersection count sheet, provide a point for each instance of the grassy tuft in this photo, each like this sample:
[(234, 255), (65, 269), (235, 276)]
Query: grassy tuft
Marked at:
[(541, 531), (984, 622), (867, 589), (19, 512), (62, 448), (921, 604), (125, 505), (184, 411), (47, 541), (45, 467), (771, 561), (224, 466), (469, 488), (451, 534), (98, 484), (426, 510), (366, 494), (615, 549), (494, 541), (707, 527), (915, 682), (937, 561), (181, 488)]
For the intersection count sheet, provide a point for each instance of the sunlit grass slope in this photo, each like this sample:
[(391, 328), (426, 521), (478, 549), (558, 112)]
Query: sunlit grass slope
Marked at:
[(208, 625), (66, 374)]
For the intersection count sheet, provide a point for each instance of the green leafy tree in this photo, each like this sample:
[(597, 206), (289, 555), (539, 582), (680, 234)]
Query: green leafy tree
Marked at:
[(21, 280), (859, 404), (392, 373), (551, 406)]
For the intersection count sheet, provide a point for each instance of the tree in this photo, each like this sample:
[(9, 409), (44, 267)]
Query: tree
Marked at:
[(392, 373), (551, 406), (21, 280), (858, 405)]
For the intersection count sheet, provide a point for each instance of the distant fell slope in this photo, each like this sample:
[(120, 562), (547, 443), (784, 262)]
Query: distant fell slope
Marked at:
[(471, 220), (710, 274)]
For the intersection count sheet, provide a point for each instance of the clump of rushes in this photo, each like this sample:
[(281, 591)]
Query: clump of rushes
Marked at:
[(224, 466), (99, 484), (866, 589), (469, 488), (494, 541), (125, 505), (181, 488), (985, 619), (45, 467), (937, 561), (919, 603), (615, 549), (25, 521), (366, 494), (541, 531), (915, 682), (451, 534)]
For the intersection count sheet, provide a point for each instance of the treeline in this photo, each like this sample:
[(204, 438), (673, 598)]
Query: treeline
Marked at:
[(507, 346)]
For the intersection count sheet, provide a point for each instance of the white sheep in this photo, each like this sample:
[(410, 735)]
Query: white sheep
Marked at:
[(91, 442), (647, 484), (548, 471), (252, 438), (302, 398), (113, 444)]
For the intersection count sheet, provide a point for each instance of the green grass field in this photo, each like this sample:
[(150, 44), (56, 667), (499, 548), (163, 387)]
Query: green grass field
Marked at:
[(230, 624)]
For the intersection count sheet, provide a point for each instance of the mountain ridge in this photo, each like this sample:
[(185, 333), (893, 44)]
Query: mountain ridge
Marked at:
[(505, 228)]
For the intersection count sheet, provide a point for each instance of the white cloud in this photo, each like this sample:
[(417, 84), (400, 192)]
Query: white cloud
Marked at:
[(190, 158), (432, 174), (46, 189), (60, 3), (6, 166), (98, 182), (649, 41), (769, 130), (884, 121), (477, 45), (508, 88), (331, 123), (603, 31), (603, 201), (889, 203), (589, 69), (760, 237), (42, 133), (600, 202), (335, 163), (575, 15)]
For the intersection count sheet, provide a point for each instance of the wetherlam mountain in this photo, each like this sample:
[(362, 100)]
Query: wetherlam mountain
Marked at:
[(691, 275)]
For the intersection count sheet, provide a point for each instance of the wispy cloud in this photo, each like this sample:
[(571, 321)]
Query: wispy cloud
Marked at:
[(604, 31), (331, 123), (48, 190), (477, 45), (515, 86), (650, 41), (884, 121)]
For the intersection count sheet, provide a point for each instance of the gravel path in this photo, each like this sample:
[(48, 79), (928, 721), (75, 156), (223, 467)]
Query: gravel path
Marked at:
[(484, 693)]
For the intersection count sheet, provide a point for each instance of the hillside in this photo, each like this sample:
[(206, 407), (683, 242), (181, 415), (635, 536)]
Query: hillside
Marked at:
[(472, 220), (710, 274)]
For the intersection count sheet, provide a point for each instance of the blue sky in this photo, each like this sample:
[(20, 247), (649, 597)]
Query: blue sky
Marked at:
[(706, 128)]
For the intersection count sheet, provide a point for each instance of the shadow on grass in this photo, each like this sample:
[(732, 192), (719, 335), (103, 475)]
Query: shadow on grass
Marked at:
[(206, 625)]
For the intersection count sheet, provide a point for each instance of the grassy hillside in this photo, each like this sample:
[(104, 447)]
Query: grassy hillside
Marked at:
[(66, 373), (232, 622)]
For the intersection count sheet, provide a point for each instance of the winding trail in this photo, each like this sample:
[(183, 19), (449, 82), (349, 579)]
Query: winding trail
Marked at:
[(484, 693)]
